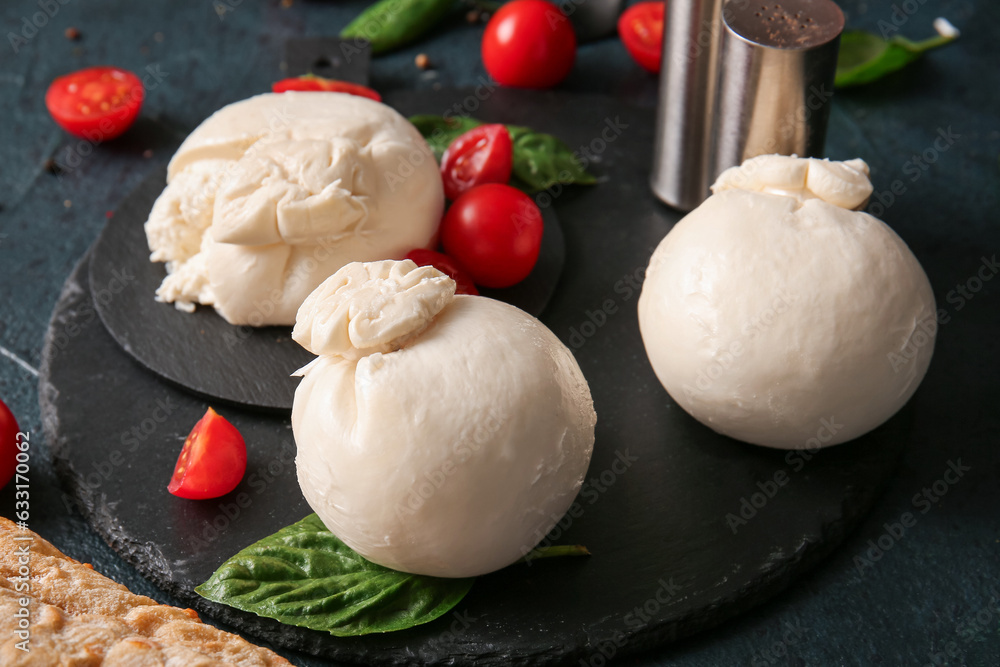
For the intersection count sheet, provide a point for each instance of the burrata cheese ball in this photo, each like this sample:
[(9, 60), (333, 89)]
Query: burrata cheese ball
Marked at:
[(271, 195), (778, 314), (437, 434)]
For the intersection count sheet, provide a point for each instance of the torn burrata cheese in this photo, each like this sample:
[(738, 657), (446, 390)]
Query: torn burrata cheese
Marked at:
[(437, 434), (778, 314), (271, 195)]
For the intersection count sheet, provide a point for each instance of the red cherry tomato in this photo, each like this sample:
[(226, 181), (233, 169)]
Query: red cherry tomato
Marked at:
[(641, 29), (529, 44), (446, 265), (97, 103), (484, 154), (496, 231), (212, 462), (311, 82), (8, 444)]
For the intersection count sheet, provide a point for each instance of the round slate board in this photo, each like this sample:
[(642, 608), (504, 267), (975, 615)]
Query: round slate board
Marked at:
[(201, 351), (656, 511)]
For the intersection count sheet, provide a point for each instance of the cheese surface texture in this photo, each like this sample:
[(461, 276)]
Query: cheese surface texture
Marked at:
[(437, 434), (775, 314), (271, 195)]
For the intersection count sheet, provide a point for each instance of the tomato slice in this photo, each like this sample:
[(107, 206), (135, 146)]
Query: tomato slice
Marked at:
[(641, 29), (496, 231), (8, 444), (212, 462), (311, 82), (484, 154), (97, 103), (446, 265)]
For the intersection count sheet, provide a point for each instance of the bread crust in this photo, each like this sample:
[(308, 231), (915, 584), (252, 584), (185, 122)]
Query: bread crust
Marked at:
[(79, 617)]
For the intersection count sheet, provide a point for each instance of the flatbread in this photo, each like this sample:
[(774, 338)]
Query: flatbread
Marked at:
[(78, 617)]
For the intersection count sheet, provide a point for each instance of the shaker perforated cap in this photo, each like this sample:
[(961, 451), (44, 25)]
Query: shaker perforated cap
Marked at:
[(790, 24)]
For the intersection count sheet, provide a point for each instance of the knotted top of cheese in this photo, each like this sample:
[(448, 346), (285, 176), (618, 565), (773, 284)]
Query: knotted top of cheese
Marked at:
[(368, 307), (843, 184)]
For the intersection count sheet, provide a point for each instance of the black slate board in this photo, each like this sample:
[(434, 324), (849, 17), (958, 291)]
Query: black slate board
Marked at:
[(665, 561), (202, 352)]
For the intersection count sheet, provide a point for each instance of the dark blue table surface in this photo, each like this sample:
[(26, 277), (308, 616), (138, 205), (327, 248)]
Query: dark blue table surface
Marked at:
[(929, 596)]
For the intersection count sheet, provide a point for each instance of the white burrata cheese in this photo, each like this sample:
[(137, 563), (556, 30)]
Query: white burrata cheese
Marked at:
[(775, 314), (437, 434), (271, 195)]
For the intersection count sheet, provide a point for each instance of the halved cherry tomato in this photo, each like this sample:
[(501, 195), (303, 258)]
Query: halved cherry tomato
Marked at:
[(8, 444), (529, 44), (484, 154), (446, 265), (97, 103), (311, 82), (641, 29), (212, 462), (496, 232)]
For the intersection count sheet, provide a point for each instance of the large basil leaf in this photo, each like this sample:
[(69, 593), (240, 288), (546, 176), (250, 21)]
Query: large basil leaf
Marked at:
[(540, 160), (865, 57), (304, 575)]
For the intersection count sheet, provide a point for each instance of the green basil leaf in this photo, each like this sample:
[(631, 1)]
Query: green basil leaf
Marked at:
[(865, 57), (390, 24), (304, 575), (540, 160)]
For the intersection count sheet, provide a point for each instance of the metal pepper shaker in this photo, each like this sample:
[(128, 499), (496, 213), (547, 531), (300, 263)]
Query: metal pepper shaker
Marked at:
[(762, 83), (776, 75), (688, 79)]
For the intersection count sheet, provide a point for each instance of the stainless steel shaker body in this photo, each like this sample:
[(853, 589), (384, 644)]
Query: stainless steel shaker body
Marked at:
[(740, 79), (688, 78), (776, 75)]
